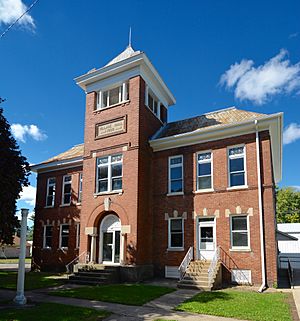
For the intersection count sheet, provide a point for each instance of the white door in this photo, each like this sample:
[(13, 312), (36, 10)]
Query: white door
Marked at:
[(207, 238)]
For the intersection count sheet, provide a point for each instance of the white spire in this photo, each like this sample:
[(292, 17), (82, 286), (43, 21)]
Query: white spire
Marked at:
[(129, 40)]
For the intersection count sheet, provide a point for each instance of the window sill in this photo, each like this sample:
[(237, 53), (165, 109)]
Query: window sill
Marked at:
[(175, 249), (175, 194), (232, 188), (47, 248), (49, 206), (246, 249), (200, 191), (111, 106), (120, 192), (79, 203), (65, 205)]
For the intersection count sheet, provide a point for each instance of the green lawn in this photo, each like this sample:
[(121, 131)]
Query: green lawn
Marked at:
[(52, 311), (9, 261), (246, 305), (130, 294), (33, 280)]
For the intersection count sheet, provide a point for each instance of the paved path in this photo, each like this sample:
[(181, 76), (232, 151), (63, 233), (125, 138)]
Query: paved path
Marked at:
[(13, 266), (159, 308)]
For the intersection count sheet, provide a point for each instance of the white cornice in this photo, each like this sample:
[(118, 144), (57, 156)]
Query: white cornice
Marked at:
[(273, 123), (57, 165)]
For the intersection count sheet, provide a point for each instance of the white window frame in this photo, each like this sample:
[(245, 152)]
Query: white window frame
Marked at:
[(211, 171), (240, 248), (245, 166), (149, 92), (80, 188), (44, 237), (123, 93), (60, 236), (47, 193), (180, 248), (63, 190), (109, 174), (77, 235), (169, 174)]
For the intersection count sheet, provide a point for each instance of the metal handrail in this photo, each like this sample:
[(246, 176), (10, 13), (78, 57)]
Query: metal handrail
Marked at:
[(76, 259), (213, 265), (185, 262), (291, 273)]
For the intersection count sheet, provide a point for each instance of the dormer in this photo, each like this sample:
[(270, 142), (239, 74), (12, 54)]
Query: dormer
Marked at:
[(111, 83)]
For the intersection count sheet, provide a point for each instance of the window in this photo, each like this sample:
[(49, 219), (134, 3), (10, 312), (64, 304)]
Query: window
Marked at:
[(50, 199), (237, 165), (113, 96), (175, 233), (109, 173), (66, 190), (77, 235), (47, 241), (175, 174), (80, 188), (64, 236), (204, 171), (152, 103), (239, 231)]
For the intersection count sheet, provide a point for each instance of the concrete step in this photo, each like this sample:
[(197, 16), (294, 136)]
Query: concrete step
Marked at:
[(95, 274), (193, 287), (196, 278), (87, 278), (194, 282), (84, 282)]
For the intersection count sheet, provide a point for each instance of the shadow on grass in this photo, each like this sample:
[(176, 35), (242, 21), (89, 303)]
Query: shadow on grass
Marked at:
[(205, 297)]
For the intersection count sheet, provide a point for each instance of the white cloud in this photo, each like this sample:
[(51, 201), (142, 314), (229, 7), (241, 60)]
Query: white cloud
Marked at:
[(260, 84), (297, 188), (11, 10), (28, 195), (291, 133), (20, 132)]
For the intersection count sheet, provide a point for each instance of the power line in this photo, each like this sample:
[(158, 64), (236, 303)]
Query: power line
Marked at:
[(21, 16)]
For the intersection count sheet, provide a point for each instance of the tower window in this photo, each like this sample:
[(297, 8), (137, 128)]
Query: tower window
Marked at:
[(113, 96)]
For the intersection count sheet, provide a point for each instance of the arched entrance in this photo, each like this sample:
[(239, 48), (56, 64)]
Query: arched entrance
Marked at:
[(110, 240)]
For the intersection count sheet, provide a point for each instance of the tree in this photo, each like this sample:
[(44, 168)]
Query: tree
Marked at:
[(288, 205), (14, 172)]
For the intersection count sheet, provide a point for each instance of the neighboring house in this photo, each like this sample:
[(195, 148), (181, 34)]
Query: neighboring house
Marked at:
[(141, 191), (288, 237), (13, 251)]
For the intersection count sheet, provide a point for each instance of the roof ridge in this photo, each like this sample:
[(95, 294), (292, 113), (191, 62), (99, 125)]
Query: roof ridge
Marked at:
[(220, 110)]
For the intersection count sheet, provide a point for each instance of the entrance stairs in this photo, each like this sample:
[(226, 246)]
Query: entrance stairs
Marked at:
[(196, 276), (97, 274)]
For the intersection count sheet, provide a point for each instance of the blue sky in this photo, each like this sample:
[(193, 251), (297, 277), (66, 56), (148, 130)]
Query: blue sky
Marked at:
[(191, 43)]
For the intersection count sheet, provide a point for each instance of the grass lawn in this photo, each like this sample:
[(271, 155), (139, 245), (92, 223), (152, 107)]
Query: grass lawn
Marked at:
[(130, 294), (10, 261), (244, 305), (52, 311), (33, 280)]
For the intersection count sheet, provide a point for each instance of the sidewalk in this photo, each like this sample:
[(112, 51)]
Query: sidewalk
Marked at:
[(158, 308)]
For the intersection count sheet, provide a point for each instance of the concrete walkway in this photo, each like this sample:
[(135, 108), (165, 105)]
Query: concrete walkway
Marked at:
[(14, 266), (158, 308)]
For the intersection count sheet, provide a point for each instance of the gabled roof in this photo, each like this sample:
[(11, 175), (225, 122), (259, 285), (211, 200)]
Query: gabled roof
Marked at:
[(127, 53), (214, 119), (73, 152)]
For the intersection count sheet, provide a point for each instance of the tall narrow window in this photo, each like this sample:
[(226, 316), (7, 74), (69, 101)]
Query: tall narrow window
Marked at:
[(77, 235), (237, 172), (64, 236), (109, 173), (175, 233), (50, 199), (47, 241), (113, 96), (67, 190), (239, 231), (204, 171), (80, 188), (175, 174), (153, 103)]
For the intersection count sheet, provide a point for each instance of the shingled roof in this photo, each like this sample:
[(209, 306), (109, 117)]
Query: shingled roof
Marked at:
[(214, 119), (74, 152)]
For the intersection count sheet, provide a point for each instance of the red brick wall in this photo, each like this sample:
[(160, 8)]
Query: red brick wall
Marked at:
[(221, 199)]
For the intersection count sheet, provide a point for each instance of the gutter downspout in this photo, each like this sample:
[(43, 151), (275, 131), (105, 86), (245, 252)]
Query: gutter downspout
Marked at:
[(261, 229)]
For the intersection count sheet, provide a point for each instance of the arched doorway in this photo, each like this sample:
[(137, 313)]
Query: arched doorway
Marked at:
[(110, 240)]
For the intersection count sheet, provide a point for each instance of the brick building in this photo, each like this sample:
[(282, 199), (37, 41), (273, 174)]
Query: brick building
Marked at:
[(148, 195)]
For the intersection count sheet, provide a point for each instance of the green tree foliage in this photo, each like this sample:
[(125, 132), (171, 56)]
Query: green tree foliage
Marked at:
[(288, 205), (14, 172)]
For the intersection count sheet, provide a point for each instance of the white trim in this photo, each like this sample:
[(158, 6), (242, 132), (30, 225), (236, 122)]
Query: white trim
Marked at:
[(172, 248), (169, 174), (240, 248), (56, 165), (60, 236), (63, 190), (273, 123), (47, 192), (79, 200), (208, 254), (243, 155), (211, 170)]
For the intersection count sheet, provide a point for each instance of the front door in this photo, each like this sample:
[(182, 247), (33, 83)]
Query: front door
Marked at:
[(207, 238), (111, 247)]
